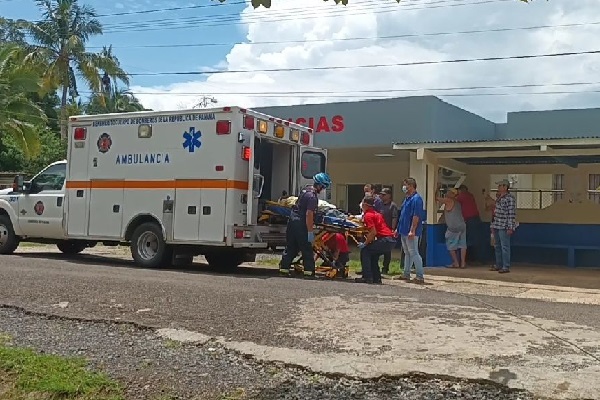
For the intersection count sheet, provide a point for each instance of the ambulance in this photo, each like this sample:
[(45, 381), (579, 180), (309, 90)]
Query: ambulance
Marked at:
[(171, 185)]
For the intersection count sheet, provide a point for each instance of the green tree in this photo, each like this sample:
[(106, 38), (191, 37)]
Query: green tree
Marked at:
[(12, 158), (11, 32), (267, 3), (19, 115), (60, 39), (117, 100)]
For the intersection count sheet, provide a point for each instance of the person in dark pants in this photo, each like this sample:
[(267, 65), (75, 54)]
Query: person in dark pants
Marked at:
[(379, 241), (475, 236), (389, 210), (299, 233)]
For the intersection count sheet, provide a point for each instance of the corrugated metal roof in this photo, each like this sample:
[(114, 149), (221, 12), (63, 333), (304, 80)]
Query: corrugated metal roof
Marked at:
[(458, 141)]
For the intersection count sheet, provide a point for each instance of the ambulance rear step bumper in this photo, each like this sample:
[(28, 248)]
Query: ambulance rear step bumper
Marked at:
[(274, 240)]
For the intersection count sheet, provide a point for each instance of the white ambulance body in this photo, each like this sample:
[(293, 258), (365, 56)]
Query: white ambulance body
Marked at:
[(171, 184)]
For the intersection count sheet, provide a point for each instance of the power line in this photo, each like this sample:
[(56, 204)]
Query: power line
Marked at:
[(284, 15), (374, 91), (157, 10), (399, 36), (341, 67), (383, 97)]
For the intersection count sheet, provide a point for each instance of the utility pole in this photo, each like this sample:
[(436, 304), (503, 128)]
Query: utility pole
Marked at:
[(205, 101)]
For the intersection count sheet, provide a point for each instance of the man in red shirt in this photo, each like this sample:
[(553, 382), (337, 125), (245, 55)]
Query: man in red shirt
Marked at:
[(379, 241), (338, 245), (473, 220)]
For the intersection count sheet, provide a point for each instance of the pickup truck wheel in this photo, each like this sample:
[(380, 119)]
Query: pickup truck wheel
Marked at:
[(8, 240), (148, 248), (71, 246), (224, 261)]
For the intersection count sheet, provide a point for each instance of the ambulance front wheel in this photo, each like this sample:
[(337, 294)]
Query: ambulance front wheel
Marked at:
[(148, 248), (8, 240)]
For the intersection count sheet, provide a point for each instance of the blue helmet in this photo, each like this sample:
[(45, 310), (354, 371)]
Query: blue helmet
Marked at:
[(322, 179)]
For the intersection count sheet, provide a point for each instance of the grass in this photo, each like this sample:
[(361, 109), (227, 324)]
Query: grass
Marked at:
[(354, 264), (25, 374)]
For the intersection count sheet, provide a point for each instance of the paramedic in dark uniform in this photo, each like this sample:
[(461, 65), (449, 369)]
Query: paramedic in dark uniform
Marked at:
[(299, 233), (379, 241)]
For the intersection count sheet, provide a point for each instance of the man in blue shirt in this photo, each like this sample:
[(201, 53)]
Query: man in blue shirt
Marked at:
[(410, 228), (299, 233)]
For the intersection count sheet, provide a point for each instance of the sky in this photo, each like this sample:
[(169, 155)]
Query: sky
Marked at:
[(367, 38)]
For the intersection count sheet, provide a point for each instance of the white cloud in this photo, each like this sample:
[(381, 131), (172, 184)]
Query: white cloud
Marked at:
[(379, 18)]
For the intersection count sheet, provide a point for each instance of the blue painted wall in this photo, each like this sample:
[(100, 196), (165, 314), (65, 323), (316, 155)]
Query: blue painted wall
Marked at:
[(556, 241), (573, 123)]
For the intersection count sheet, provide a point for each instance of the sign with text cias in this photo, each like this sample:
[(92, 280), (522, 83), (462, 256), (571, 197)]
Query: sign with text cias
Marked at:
[(322, 124)]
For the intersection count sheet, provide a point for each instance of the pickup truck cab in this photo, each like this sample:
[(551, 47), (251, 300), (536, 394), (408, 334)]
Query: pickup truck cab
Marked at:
[(34, 211)]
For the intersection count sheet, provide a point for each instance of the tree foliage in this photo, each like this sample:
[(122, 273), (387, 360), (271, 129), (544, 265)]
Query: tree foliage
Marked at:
[(117, 100), (60, 39), (38, 58), (12, 158), (19, 114), (267, 3)]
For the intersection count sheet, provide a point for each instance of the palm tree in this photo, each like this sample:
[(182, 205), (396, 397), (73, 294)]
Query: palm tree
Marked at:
[(60, 38), (117, 100), (20, 117)]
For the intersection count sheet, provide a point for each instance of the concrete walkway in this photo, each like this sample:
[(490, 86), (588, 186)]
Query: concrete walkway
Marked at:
[(469, 286)]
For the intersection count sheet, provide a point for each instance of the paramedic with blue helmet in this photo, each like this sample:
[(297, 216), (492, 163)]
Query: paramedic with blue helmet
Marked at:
[(299, 233)]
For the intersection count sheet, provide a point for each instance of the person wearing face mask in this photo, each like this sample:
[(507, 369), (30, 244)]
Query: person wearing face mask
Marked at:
[(410, 228), (299, 233), (370, 192)]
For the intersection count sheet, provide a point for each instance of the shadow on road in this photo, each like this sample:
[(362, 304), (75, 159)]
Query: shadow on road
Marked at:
[(244, 271)]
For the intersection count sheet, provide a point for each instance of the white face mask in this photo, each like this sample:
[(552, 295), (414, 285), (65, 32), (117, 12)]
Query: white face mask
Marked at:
[(404, 189)]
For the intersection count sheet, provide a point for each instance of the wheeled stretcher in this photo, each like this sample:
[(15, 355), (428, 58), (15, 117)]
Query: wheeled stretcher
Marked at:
[(327, 222)]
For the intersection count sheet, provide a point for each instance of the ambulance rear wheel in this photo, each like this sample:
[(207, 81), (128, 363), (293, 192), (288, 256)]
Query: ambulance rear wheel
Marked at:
[(224, 261), (148, 248), (8, 240)]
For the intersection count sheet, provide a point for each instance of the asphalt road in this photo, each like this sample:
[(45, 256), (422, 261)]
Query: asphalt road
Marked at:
[(248, 305), (255, 304)]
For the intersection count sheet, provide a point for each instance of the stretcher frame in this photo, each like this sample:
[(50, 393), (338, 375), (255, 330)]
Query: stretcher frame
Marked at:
[(320, 250)]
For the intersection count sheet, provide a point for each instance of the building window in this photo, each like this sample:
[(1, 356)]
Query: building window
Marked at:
[(533, 191), (594, 188), (558, 187)]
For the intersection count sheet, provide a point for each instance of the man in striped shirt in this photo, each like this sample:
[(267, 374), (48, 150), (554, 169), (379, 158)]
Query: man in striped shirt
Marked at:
[(503, 225)]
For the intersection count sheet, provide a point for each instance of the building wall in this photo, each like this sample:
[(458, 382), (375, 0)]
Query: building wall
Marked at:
[(574, 208), (360, 173), (385, 121), (571, 123)]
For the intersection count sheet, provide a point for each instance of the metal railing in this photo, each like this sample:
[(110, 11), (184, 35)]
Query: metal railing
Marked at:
[(594, 196), (529, 199)]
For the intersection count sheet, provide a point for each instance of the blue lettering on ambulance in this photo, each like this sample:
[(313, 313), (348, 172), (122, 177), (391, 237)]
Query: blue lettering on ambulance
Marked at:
[(160, 119), (148, 158)]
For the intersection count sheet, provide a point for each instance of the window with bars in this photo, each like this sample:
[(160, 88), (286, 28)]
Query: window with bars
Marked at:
[(558, 187), (594, 188), (533, 191)]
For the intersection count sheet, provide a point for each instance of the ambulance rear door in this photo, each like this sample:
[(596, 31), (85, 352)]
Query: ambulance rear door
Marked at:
[(312, 160), (255, 179)]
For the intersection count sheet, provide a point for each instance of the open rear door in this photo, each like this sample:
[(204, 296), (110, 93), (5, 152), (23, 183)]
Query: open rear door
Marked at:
[(312, 160), (255, 179)]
